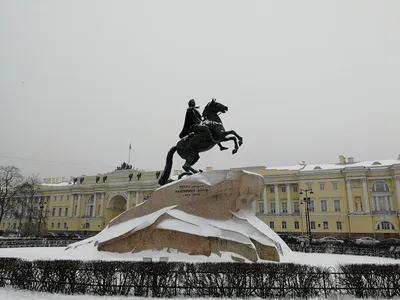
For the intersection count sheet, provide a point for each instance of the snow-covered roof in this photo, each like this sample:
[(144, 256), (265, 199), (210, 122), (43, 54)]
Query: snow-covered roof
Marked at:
[(332, 166), (57, 184)]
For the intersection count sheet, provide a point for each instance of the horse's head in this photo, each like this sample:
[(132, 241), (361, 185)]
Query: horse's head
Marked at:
[(213, 108)]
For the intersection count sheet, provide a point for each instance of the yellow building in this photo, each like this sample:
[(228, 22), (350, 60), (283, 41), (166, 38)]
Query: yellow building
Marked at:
[(349, 198)]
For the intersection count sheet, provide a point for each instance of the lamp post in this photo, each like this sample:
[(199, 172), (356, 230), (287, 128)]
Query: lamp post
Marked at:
[(307, 200), (42, 203)]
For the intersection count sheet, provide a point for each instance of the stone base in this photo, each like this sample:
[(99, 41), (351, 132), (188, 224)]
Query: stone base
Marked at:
[(198, 215)]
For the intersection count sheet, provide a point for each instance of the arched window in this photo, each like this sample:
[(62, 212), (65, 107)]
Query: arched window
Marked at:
[(317, 168), (380, 186), (381, 197), (377, 163), (86, 225), (385, 225)]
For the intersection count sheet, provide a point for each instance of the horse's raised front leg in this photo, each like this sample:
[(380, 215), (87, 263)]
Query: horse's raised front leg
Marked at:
[(232, 138), (235, 134)]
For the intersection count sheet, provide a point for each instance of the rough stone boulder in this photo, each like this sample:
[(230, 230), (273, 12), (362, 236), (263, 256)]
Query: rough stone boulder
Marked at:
[(201, 214)]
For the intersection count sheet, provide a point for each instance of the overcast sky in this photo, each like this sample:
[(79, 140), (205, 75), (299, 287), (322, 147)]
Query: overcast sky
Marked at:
[(303, 80)]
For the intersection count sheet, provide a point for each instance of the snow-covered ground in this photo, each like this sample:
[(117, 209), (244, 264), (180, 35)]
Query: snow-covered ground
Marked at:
[(316, 259), (12, 294)]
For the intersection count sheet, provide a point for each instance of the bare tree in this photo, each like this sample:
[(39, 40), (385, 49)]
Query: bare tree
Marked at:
[(29, 207), (10, 181)]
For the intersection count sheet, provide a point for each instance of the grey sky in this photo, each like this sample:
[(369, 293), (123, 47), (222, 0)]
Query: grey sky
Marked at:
[(303, 80)]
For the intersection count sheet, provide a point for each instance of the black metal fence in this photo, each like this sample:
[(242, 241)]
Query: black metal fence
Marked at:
[(177, 279), (35, 243), (363, 250)]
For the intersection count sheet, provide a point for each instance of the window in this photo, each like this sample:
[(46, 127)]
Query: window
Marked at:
[(271, 190), (283, 224), (67, 197), (325, 224), (58, 225), (91, 210), (311, 206), (339, 225), (261, 207), (295, 189), (380, 186), (98, 209), (336, 204), (59, 211), (66, 211), (52, 225), (272, 207), (324, 205), (55, 198), (62, 198), (335, 186), (321, 186), (53, 213), (296, 207), (65, 225), (309, 186), (296, 225), (76, 209), (312, 223), (284, 207), (86, 226), (385, 225), (271, 224), (283, 189)]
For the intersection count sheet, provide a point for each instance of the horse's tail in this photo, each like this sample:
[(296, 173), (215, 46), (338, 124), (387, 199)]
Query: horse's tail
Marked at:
[(168, 167)]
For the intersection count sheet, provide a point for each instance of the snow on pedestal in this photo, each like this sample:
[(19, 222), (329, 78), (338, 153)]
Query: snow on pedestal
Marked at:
[(203, 214)]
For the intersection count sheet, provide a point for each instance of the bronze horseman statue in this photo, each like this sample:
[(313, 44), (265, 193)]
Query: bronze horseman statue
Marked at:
[(200, 134)]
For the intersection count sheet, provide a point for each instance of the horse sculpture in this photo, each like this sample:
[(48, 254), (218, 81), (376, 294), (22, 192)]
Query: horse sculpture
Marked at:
[(191, 145)]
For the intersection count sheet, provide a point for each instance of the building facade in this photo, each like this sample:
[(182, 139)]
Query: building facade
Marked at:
[(349, 199)]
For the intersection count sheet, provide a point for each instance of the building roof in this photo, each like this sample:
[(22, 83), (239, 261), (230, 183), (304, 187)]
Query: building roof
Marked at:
[(337, 166)]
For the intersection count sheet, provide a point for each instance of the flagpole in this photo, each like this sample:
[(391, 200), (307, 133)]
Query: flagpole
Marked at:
[(129, 159)]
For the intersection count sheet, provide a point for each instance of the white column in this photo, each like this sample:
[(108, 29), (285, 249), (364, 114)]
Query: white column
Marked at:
[(397, 181), (137, 198), (389, 203), (102, 204), (265, 200), (71, 205), (378, 203), (289, 201), (253, 207), (349, 196), (94, 205), (79, 206), (128, 201), (365, 195), (277, 204)]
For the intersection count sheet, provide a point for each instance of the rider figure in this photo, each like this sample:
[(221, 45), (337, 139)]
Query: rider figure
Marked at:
[(193, 124)]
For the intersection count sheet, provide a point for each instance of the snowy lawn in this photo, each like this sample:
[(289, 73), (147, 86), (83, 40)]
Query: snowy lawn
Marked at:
[(90, 253), (12, 294)]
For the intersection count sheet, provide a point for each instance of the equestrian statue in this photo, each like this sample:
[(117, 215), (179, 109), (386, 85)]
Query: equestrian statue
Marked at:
[(200, 133)]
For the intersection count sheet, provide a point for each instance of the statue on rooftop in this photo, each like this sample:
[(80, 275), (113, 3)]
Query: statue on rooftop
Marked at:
[(200, 135)]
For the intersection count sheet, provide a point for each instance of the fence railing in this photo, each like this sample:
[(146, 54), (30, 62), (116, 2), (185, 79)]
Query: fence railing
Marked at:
[(35, 243), (390, 252)]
